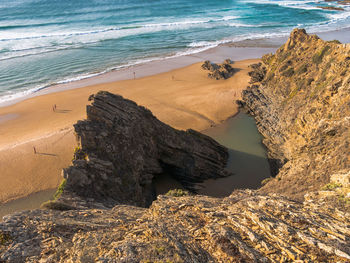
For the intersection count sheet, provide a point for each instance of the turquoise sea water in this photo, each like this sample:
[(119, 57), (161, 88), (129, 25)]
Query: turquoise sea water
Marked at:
[(43, 42)]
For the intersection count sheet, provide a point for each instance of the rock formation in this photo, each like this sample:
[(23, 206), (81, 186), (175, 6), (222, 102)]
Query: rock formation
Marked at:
[(302, 108), (300, 99), (244, 227), (123, 147), (223, 71)]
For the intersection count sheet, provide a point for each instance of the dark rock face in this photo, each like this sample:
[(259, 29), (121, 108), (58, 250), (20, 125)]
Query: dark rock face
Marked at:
[(306, 129), (258, 72), (300, 98), (223, 71), (123, 147)]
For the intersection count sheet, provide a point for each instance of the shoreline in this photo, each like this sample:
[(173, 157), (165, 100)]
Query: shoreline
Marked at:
[(50, 132), (256, 46), (216, 54), (183, 98)]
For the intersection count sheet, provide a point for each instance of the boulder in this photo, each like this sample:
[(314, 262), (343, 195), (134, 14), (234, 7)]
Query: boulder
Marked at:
[(223, 71)]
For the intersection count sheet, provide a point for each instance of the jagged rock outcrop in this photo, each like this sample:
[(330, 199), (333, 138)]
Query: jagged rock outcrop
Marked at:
[(258, 72), (223, 71), (123, 147), (302, 108), (244, 227), (300, 99)]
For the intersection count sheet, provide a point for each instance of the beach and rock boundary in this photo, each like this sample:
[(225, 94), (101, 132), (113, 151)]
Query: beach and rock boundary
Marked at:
[(247, 226)]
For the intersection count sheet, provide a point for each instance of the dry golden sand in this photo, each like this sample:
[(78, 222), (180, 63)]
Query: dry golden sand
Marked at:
[(183, 98)]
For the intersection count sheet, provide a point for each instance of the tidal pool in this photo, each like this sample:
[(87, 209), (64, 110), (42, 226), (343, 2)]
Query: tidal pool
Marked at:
[(29, 202), (247, 159), (247, 162)]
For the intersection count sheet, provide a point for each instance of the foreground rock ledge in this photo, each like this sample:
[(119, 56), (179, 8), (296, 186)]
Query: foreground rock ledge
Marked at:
[(123, 147), (244, 227), (305, 127)]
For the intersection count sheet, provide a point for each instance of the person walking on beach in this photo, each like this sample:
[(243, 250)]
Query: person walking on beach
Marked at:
[(134, 75), (34, 149)]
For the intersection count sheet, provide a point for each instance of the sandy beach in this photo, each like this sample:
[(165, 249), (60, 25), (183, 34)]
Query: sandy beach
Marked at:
[(183, 98), (191, 100)]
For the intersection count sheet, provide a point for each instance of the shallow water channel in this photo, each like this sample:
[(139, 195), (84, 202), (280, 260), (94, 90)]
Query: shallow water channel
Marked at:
[(29, 202), (247, 159), (247, 162)]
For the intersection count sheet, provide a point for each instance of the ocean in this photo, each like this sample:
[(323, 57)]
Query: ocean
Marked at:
[(47, 42)]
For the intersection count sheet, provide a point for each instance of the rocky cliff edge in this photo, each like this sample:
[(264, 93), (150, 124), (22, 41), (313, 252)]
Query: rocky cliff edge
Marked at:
[(300, 99)]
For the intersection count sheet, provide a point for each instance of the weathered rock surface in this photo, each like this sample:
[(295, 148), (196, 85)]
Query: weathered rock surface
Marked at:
[(300, 99), (258, 72), (244, 227), (223, 71), (123, 147), (302, 108)]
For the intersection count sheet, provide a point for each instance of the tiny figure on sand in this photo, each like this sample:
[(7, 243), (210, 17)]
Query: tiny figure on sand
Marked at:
[(54, 107), (34, 149), (134, 75)]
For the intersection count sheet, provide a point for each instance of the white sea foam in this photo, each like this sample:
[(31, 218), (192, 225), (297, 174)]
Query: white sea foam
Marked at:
[(21, 34), (21, 42), (211, 44), (290, 4), (15, 95), (339, 15), (242, 25), (193, 48)]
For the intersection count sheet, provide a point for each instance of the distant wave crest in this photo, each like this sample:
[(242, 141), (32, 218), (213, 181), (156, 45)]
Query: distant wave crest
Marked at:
[(18, 44)]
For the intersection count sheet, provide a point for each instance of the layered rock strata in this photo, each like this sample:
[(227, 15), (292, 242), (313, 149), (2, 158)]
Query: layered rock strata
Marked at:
[(244, 227), (123, 147), (300, 98)]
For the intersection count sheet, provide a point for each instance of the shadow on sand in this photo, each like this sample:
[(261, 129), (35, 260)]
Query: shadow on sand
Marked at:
[(47, 154), (62, 111)]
